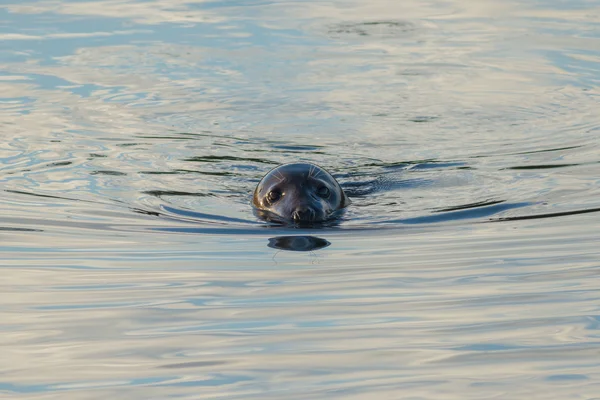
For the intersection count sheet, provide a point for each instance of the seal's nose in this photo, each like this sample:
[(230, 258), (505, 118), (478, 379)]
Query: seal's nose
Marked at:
[(303, 214)]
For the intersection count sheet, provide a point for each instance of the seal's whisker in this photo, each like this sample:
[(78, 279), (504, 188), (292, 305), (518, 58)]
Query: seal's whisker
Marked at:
[(279, 176)]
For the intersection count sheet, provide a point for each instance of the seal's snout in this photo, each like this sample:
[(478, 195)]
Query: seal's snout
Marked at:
[(303, 214)]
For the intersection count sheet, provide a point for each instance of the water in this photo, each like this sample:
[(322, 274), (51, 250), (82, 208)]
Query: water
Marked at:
[(135, 131)]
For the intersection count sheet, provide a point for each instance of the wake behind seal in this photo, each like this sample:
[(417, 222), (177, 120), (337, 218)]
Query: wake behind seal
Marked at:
[(299, 193)]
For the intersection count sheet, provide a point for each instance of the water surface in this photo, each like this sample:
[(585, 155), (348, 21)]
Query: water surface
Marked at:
[(135, 131)]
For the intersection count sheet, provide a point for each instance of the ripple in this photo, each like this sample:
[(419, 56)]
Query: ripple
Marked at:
[(381, 29), (465, 134)]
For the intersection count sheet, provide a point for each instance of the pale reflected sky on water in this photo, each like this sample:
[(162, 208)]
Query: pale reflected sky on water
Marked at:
[(134, 268)]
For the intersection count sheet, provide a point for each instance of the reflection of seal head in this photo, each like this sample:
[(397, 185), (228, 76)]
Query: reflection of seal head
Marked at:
[(298, 193), (298, 243)]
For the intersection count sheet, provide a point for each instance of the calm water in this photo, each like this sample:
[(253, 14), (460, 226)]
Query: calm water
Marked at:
[(467, 134)]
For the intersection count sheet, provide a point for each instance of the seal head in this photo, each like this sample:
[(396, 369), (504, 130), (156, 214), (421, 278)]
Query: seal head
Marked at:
[(298, 193)]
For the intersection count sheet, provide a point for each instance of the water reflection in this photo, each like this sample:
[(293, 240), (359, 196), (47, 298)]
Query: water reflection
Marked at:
[(298, 243), (134, 132)]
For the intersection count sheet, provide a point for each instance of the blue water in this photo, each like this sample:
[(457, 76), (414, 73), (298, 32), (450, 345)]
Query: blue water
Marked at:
[(465, 133)]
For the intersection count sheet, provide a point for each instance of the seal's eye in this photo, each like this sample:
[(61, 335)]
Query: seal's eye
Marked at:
[(323, 191), (273, 196)]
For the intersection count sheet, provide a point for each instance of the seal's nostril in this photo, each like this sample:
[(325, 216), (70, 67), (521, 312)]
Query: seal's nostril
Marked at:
[(303, 213)]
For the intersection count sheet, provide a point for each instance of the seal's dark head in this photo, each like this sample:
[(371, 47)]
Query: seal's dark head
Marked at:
[(298, 193)]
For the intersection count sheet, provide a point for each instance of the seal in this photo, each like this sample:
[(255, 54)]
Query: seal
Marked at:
[(298, 193)]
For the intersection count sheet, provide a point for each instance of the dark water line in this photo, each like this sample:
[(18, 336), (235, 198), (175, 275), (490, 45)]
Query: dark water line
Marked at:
[(209, 217), (544, 166), (471, 205), (98, 226), (47, 196), (160, 193), (549, 215), (12, 229), (461, 214), (547, 150), (211, 159)]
